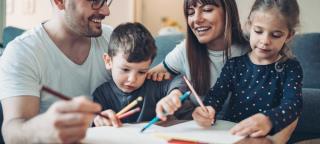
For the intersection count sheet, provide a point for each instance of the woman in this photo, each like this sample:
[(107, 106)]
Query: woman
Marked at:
[(213, 35)]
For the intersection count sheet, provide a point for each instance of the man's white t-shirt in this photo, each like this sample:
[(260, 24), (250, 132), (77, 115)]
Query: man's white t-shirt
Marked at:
[(33, 60)]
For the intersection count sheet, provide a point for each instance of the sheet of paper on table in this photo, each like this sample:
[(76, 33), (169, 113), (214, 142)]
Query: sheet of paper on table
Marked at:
[(130, 133)]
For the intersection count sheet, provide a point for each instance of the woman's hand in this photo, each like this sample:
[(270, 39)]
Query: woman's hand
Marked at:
[(158, 73)]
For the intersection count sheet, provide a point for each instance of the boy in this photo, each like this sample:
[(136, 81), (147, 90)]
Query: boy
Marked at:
[(130, 53)]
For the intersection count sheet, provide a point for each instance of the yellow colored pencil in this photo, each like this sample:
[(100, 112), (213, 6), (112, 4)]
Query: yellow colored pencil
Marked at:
[(130, 106)]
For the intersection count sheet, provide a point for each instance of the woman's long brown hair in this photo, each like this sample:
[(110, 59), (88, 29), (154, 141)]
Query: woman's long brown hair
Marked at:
[(197, 53)]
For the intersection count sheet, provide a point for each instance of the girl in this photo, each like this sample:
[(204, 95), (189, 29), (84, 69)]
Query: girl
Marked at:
[(266, 82), (213, 35)]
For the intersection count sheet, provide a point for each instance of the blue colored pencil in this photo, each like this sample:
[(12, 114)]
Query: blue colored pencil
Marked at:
[(156, 119)]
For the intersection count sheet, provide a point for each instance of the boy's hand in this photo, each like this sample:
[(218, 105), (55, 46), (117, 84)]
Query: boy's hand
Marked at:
[(169, 104), (158, 73), (204, 118), (255, 126), (112, 121)]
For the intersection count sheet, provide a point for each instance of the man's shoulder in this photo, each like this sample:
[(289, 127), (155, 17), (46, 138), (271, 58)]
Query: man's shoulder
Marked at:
[(32, 37), (103, 40)]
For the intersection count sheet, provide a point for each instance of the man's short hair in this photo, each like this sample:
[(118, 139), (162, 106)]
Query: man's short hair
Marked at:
[(134, 40)]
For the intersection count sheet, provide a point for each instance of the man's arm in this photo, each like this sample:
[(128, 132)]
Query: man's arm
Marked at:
[(64, 122)]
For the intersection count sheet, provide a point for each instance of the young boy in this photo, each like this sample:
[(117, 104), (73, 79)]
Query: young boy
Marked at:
[(130, 53)]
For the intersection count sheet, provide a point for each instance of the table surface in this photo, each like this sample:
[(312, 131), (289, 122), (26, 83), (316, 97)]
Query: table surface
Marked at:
[(248, 140), (98, 135)]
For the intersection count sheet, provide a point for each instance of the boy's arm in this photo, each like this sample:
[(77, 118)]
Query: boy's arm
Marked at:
[(291, 104)]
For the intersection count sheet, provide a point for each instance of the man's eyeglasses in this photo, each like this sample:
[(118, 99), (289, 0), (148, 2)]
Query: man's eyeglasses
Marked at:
[(97, 4)]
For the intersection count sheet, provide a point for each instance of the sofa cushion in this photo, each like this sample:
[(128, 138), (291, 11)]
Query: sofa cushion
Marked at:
[(10, 33), (165, 44), (306, 47), (308, 126)]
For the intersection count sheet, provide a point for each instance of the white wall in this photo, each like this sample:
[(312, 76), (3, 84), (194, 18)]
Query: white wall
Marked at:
[(309, 14), (120, 11), (28, 13), (154, 10)]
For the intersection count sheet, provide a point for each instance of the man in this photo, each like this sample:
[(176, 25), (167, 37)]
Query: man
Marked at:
[(64, 53)]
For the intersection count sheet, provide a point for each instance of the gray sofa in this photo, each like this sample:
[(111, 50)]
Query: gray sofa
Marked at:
[(306, 47)]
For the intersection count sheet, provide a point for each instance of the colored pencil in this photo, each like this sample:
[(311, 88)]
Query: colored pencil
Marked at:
[(194, 93), (129, 113), (129, 106), (64, 97), (197, 96), (156, 119)]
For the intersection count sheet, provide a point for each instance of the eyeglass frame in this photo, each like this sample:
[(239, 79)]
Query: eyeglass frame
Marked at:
[(101, 5)]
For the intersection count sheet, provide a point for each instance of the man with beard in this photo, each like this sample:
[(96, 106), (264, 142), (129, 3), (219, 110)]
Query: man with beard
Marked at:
[(64, 53)]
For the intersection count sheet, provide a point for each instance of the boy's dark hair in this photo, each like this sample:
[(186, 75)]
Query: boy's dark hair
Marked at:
[(134, 40)]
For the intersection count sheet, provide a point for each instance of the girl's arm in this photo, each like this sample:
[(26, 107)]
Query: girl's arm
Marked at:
[(219, 92), (291, 104)]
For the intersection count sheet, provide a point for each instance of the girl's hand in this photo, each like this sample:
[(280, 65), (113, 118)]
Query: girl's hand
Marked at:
[(158, 73), (111, 121), (204, 118), (255, 126), (169, 104)]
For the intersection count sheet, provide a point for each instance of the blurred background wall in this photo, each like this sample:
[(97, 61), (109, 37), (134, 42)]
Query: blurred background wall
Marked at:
[(28, 13)]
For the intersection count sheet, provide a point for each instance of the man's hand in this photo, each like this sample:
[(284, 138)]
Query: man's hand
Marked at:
[(63, 122), (111, 121), (70, 119)]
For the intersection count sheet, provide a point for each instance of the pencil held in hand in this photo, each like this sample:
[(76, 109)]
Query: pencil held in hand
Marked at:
[(194, 92), (156, 119), (129, 106), (129, 113), (63, 97)]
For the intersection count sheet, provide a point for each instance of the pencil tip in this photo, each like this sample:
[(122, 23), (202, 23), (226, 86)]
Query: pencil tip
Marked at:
[(142, 130)]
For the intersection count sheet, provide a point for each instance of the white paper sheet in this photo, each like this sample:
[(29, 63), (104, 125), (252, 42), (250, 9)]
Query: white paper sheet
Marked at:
[(130, 133), (219, 133), (127, 134)]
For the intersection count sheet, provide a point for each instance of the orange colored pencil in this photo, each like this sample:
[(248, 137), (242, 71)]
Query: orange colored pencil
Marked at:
[(129, 113)]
